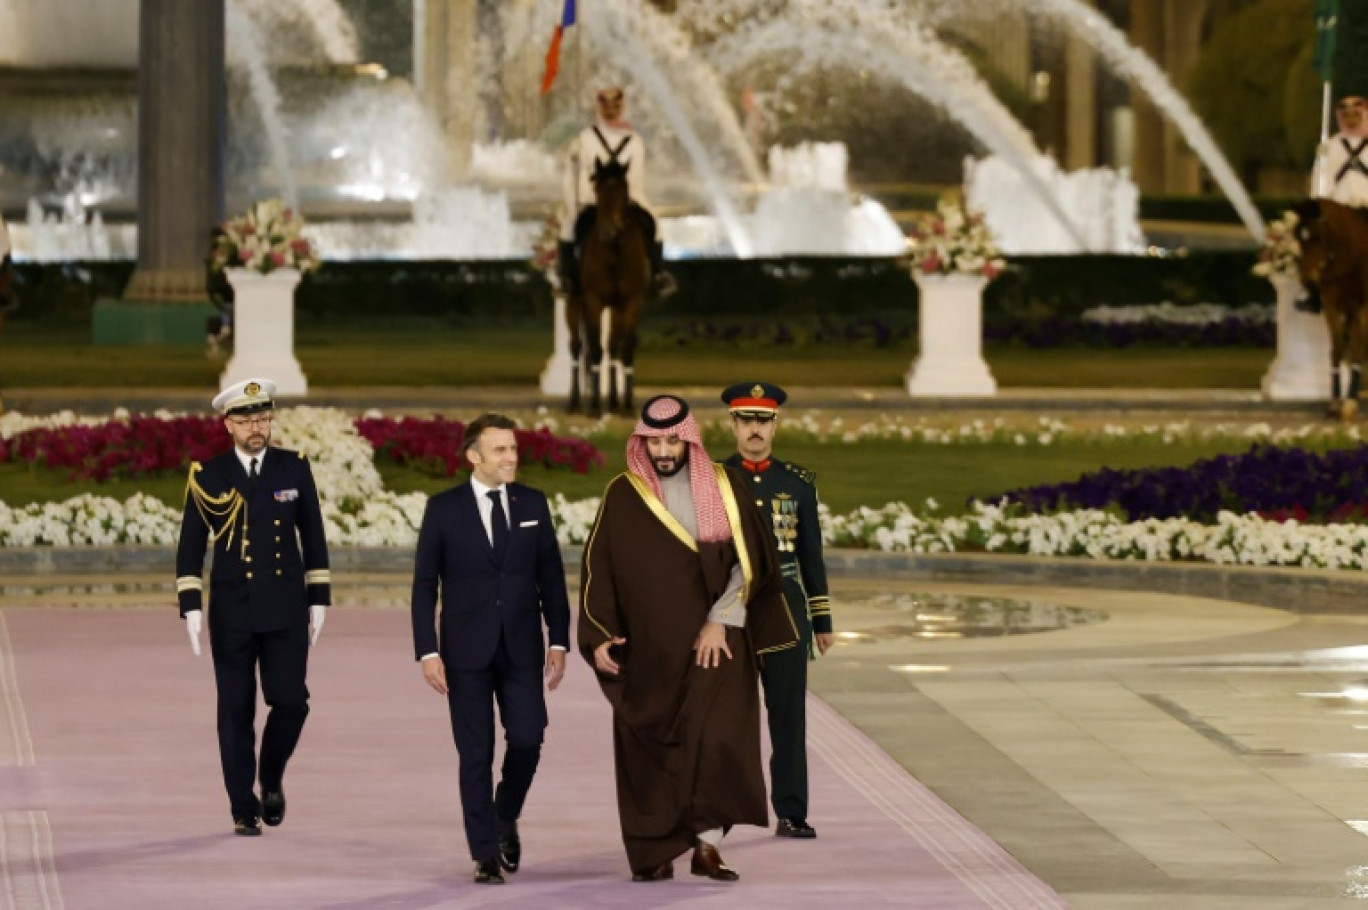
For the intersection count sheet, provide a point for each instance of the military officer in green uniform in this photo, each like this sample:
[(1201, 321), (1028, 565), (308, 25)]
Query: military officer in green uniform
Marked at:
[(787, 495), (257, 508)]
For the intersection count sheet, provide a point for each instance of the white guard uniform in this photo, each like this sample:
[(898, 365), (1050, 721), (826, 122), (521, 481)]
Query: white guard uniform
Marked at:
[(579, 189), (1338, 174)]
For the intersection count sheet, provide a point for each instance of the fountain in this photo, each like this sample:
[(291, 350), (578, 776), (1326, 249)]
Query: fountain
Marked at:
[(372, 194)]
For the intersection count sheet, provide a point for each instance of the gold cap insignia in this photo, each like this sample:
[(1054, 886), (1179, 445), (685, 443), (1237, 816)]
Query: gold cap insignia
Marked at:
[(252, 389), (758, 391)]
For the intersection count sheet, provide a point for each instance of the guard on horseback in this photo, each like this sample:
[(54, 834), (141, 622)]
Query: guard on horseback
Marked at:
[(610, 139), (1332, 228), (1341, 169)]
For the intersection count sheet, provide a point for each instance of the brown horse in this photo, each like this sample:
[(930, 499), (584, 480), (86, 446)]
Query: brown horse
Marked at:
[(615, 272), (1334, 262)]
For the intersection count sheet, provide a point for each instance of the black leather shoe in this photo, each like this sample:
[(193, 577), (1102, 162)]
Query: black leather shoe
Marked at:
[(487, 872), (708, 862), (794, 827), (510, 849), (662, 873), (272, 806), (247, 826)]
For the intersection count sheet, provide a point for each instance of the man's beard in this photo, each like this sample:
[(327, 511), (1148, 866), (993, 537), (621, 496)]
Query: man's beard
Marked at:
[(677, 464)]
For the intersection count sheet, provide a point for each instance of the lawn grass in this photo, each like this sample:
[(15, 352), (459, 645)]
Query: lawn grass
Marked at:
[(868, 473), (34, 355)]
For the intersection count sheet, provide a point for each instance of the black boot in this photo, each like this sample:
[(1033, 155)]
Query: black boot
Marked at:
[(1311, 303), (567, 266), (662, 282)]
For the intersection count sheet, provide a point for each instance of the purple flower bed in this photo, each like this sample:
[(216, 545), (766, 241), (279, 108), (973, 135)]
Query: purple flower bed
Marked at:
[(1278, 483), (1065, 332), (1048, 332)]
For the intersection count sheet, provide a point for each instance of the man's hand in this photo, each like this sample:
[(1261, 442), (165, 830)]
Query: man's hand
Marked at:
[(435, 674), (318, 613), (711, 644), (824, 640), (194, 624), (555, 668), (602, 662)]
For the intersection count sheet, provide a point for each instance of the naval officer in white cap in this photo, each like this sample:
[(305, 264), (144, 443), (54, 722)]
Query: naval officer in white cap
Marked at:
[(258, 507)]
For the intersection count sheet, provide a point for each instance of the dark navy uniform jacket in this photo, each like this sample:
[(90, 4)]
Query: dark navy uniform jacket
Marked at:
[(485, 602), (787, 496), (270, 561)]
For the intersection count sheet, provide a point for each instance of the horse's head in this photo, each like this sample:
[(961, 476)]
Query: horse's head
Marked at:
[(1315, 237), (610, 189)]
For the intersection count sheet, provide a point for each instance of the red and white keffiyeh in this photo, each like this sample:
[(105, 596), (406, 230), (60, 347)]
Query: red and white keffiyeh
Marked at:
[(667, 415)]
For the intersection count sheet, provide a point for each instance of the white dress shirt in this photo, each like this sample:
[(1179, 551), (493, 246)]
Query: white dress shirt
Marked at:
[(487, 507), (247, 460)]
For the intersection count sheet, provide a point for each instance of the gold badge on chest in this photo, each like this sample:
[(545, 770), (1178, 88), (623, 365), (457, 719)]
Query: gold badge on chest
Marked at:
[(785, 517)]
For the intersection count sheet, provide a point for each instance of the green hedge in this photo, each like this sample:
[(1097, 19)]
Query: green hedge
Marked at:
[(510, 292)]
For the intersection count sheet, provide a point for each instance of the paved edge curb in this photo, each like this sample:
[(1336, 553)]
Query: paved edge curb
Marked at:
[(1318, 591)]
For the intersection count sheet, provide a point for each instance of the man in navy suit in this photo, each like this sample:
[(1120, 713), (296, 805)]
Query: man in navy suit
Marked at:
[(490, 548)]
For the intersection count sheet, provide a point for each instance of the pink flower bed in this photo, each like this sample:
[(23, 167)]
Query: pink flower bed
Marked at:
[(434, 445), (146, 446)]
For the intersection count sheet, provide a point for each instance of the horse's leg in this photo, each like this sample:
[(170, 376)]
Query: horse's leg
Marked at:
[(593, 319), (574, 316), (1338, 325), (631, 317), (615, 358), (1357, 320)]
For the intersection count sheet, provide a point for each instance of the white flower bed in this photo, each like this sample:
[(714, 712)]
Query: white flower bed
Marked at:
[(1195, 314), (358, 510)]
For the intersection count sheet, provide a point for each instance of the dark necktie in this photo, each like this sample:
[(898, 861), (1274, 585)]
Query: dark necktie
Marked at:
[(252, 471), (498, 523)]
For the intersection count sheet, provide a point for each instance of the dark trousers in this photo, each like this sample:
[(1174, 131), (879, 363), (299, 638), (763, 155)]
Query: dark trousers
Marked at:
[(471, 695), (283, 657), (783, 676)]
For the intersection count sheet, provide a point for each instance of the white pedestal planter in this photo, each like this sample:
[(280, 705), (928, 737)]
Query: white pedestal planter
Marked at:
[(555, 377), (950, 363), (1301, 369), (263, 330)]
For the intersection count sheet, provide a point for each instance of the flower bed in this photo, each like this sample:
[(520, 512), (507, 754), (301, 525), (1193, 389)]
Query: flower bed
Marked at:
[(141, 445), (434, 445), (359, 511), (1268, 480)]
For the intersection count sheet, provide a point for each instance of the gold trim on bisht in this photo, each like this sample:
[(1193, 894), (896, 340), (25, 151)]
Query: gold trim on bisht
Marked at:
[(658, 509), (228, 508)]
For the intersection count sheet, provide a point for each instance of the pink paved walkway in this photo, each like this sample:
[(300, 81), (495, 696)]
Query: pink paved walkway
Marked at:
[(110, 794)]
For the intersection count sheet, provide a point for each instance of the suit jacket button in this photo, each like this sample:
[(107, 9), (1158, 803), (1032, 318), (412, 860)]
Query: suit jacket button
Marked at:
[(277, 521), (249, 575), (247, 558), (277, 571)]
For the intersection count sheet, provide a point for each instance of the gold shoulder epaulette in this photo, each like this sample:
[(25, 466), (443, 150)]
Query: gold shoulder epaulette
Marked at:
[(221, 513), (803, 473)]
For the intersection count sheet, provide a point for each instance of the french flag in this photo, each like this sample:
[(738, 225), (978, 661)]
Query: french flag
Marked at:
[(567, 19)]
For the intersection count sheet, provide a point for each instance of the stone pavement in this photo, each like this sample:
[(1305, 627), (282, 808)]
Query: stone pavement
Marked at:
[(1121, 749)]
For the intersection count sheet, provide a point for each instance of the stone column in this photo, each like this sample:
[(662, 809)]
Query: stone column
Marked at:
[(1147, 33), (445, 45), (180, 147), (1080, 87)]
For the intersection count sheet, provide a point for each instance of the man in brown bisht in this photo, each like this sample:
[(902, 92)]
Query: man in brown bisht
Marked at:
[(680, 599)]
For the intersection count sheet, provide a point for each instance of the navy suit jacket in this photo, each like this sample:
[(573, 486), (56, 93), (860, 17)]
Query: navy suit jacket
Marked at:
[(483, 601), (271, 561)]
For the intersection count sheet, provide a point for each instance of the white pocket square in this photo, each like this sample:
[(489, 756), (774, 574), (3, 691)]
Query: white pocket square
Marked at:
[(527, 524)]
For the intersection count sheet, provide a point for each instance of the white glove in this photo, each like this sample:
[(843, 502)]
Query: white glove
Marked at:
[(317, 614), (194, 622)]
